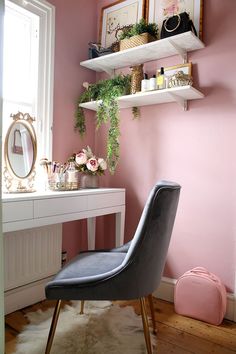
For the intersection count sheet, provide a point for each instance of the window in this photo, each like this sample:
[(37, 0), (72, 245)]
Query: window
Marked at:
[(28, 66)]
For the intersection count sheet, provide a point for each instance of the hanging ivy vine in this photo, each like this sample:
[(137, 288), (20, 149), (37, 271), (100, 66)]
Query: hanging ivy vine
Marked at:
[(107, 112)]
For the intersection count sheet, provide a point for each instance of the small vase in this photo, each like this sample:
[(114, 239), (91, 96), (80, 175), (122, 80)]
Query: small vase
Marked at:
[(136, 78), (89, 181)]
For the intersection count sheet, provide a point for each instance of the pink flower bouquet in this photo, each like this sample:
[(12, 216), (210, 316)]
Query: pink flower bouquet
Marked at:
[(87, 162)]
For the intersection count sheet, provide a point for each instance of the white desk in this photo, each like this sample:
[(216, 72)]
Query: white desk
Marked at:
[(33, 253), (29, 210)]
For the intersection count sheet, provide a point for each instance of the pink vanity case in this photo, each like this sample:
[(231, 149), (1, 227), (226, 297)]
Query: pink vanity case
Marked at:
[(201, 295)]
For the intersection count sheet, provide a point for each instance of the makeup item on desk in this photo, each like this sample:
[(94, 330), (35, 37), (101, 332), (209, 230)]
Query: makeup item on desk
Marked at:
[(49, 164), (145, 83), (71, 177), (161, 83), (60, 177), (44, 162), (57, 170), (55, 166), (44, 176), (57, 181)]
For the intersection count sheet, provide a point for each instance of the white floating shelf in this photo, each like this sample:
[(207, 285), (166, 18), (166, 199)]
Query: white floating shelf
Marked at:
[(179, 44), (178, 94)]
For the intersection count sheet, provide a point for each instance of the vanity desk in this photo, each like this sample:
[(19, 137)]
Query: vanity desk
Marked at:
[(29, 210), (29, 263)]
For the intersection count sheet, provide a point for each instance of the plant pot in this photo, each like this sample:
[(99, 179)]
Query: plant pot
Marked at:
[(89, 181), (136, 41)]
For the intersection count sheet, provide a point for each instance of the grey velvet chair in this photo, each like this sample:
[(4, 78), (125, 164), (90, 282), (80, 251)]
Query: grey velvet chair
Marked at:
[(132, 271)]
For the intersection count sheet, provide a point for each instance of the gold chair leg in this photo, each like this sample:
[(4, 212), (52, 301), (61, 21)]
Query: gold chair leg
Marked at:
[(151, 306), (145, 325), (53, 326), (81, 307)]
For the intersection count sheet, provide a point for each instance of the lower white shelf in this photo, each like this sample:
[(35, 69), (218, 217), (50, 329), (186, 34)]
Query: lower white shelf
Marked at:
[(177, 94)]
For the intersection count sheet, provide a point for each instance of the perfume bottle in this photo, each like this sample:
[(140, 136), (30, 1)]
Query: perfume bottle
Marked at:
[(72, 177), (161, 83)]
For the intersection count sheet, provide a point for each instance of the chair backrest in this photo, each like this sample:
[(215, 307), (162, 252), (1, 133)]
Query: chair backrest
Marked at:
[(148, 250)]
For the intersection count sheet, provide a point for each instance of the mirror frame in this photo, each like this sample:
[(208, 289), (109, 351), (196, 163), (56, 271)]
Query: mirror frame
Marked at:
[(13, 182)]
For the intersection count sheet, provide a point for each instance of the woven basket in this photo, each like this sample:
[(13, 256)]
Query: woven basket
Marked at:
[(136, 41)]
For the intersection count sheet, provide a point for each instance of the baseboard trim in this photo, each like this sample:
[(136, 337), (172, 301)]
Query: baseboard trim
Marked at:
[(24, 296), (32, 293), (166, 292)]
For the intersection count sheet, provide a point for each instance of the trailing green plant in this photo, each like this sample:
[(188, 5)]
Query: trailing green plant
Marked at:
[(108, 110), (138, 28)]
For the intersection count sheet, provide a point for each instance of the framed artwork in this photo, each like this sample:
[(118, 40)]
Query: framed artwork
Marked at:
[(161, 9), (117, 15), (171, 70)]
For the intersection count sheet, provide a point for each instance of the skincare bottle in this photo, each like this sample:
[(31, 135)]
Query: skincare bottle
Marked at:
[(145, 84), (71, 177), (161, 79), (153, 83)]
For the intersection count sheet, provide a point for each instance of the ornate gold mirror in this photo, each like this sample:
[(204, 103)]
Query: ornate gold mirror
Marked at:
[(20, 151)]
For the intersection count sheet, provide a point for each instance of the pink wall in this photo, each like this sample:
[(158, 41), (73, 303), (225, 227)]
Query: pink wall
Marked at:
[(75, 27), (194, 148)]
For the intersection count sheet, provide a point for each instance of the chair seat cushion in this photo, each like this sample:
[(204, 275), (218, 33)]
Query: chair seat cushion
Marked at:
[(87, 268), (89, 264)]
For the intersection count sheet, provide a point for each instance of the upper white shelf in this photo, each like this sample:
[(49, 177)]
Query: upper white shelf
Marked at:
[(179, 44), (177, 94)]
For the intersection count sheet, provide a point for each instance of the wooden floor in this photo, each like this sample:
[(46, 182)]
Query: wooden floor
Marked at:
[(176, 334)]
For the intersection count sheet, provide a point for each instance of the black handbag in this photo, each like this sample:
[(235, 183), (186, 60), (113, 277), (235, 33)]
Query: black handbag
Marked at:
[(177, 24), (95, 50)]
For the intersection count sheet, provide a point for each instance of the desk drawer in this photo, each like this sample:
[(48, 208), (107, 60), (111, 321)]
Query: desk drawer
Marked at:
[(106, 200), (59, 206), (17, 211)]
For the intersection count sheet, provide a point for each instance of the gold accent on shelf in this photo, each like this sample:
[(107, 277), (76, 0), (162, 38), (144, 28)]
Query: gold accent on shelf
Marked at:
[(136, 78)]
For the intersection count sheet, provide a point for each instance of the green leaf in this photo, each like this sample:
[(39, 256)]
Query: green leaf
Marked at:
[(138, 28)]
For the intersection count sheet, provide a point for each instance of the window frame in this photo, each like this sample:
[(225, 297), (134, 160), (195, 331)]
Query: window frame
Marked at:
[(46, 13)]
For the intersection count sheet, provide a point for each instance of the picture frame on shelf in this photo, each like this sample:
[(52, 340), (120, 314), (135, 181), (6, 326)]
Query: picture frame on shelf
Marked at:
[(117, 15), (186, 68), (171, 70), (159, 10)]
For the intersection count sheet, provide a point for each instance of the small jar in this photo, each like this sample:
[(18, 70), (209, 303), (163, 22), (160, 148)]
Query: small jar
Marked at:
[(153, 83), (145, 83), (72, 177)]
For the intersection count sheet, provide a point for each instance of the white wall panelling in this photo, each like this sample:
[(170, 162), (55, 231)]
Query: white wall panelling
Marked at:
[(31, 255)]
